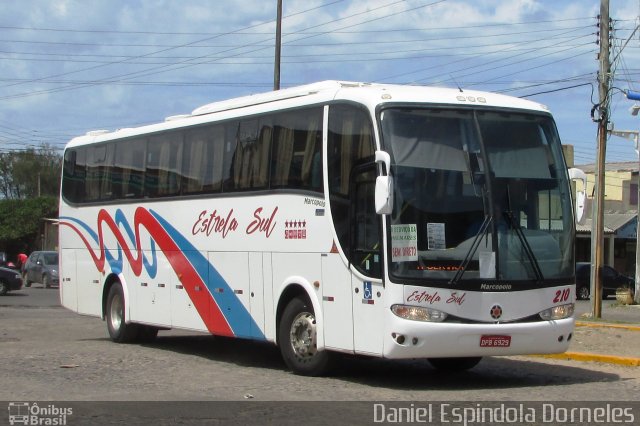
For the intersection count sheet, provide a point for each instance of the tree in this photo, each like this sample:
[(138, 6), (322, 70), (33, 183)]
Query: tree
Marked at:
[(30, 173), (21, 221)]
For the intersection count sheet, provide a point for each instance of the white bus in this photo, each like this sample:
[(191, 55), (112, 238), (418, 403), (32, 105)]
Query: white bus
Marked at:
[(383, 220)]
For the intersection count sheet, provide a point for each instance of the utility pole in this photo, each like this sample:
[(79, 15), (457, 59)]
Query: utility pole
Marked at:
[(276, 65), (597, 229)]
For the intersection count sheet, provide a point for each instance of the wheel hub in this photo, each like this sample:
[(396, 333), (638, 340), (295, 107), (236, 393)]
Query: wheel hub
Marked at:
[(303, 335), (116, 312)]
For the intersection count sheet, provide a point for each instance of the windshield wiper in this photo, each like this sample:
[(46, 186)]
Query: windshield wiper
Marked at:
[(525, 243), (472, 250)]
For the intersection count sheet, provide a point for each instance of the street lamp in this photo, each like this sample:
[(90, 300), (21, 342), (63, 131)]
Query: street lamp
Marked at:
[(634, 135)]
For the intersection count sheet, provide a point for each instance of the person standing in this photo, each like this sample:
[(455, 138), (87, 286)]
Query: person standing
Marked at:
[(22, 260)]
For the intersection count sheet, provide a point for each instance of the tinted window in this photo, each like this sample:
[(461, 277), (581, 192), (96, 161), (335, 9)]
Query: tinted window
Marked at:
[(203, 160), (350, 143), (129, 168), (164, 157), (74, 175), (280, 150), (297, 150), (250, 160), (99, 171)]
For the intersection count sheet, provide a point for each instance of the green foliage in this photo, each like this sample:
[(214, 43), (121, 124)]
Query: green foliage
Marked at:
[(30, 173), (21, 220)]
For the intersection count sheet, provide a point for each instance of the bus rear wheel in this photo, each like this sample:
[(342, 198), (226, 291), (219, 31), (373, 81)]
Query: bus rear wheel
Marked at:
[(297, 338), (454, 364), (119, 330)]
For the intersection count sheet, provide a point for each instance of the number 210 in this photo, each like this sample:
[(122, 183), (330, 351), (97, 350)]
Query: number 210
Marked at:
[(562, 295)]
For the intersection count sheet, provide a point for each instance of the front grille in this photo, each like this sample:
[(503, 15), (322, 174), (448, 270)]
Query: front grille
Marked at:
[(457, 320)]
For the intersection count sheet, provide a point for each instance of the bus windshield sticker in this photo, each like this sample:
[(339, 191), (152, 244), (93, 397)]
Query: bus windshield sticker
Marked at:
[(435, 236), (404, 243), (487, 264)]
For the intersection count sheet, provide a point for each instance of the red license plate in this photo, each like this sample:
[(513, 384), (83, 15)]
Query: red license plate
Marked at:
[(495, 341)]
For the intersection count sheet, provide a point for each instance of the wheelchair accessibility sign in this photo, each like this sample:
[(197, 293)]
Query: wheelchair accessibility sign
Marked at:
[(367, 293)]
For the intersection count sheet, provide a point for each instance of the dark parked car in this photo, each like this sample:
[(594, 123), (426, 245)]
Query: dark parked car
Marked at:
[(42, 267), (10, 279), (611, 280)]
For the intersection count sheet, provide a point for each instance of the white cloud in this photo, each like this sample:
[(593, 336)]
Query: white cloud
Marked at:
[(474, 49)]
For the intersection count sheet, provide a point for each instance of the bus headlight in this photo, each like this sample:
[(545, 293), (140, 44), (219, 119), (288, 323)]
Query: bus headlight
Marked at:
[(558, 312), (418, 313)]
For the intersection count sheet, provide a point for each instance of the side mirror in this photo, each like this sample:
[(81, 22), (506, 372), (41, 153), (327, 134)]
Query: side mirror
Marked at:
[(384, 185), (581, 195)]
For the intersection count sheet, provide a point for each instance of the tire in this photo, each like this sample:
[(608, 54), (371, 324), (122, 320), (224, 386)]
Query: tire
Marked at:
[(297, 340), (583, 292), (27, 281), (454, 364), (119, 330), (46, 281), (4, 288)]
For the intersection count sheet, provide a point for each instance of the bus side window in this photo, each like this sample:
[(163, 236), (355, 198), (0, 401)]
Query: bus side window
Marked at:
[(230, 147), (246, 150), (164, 155), (74, 175), (283, 141), (99, 169), (297, 160), (250, 161), (259, 166), (129, 168), (202, 160), (312, 155)]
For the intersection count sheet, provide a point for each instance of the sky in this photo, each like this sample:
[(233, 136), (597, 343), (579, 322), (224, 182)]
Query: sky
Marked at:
[(71, 66)]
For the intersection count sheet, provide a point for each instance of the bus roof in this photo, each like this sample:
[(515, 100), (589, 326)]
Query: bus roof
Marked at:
[(369, 94)]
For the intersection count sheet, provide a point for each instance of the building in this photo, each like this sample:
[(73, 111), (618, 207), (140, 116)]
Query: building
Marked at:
[(620, 216)]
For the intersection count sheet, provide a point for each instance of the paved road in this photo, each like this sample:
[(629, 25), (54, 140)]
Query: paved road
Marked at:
[(612, 311), (50, 354)]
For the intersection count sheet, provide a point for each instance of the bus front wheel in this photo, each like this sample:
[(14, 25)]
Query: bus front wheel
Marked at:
[(297, 338), (119, 330)]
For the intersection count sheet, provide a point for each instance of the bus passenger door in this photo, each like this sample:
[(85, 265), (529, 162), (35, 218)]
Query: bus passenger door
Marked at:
[(366, 262)]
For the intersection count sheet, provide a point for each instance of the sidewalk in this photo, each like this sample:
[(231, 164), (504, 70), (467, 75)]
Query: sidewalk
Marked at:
[(614, 338)]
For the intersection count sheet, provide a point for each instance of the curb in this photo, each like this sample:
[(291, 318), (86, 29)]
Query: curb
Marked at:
[(590, 357), (583, 356), (607, 325)]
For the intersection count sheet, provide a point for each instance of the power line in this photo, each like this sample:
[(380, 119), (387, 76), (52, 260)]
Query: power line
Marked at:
[(173, 33)]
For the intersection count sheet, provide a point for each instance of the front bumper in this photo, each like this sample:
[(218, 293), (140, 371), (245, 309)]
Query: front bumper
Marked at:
[(439, 340)]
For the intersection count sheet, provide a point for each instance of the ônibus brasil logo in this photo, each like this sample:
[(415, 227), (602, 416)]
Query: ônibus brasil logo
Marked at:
[(27, 413)]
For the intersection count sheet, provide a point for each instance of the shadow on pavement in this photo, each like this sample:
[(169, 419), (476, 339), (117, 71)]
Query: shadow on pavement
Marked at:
[(491, 373)]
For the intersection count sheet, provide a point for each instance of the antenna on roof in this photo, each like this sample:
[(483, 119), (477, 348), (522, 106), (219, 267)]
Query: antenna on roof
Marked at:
[(456, 83)]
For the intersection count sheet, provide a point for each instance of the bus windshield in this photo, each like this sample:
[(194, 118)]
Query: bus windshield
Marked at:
[(479, 195)]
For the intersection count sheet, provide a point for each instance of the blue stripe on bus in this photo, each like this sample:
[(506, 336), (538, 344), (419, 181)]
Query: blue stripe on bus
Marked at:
[(238, 317)]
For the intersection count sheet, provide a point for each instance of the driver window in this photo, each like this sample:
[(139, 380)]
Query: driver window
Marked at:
[(350, 140)]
